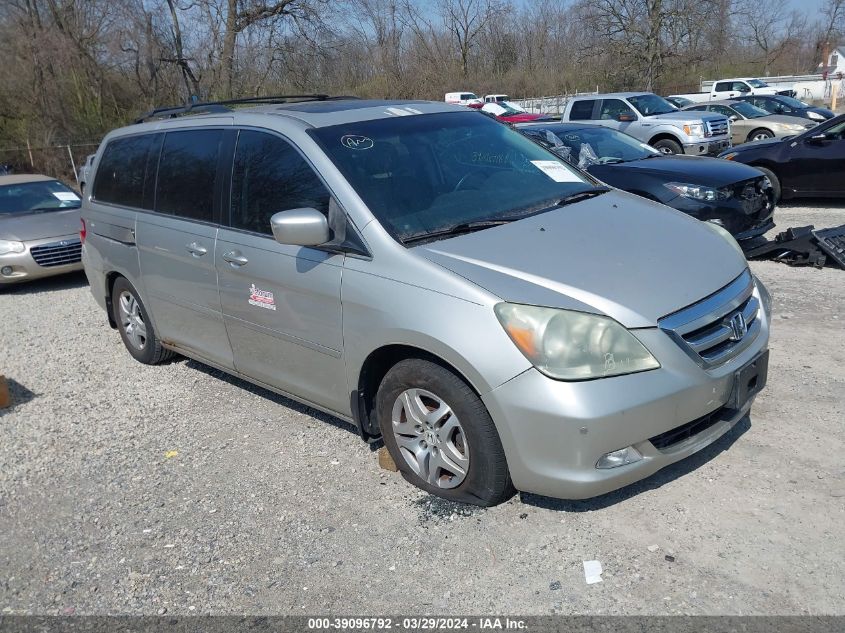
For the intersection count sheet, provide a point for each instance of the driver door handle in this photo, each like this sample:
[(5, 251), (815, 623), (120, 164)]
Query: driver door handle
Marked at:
[(195, 249), (235, 258)]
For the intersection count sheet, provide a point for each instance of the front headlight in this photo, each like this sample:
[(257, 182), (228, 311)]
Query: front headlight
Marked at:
[(9, 246), (694, 129), (764, 296), (815, 116), (697, 192), (569, 345)]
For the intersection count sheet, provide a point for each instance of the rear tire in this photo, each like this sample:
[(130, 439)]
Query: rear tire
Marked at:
[(456, 454), (776, 188), (134, 325), (668, 146), (760, 134)]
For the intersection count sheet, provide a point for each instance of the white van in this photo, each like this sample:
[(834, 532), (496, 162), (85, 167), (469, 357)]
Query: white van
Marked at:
[(463, 98)]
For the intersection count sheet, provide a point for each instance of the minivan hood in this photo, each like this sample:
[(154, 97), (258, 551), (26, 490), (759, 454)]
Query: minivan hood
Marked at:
[(616, 254), (696, 170), (36, 226)]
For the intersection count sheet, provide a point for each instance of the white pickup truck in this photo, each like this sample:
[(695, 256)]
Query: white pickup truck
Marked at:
[(654, 121), (729, 89)]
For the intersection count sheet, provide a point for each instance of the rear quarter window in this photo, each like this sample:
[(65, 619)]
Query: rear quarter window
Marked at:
[(126, 173), (582, 110)]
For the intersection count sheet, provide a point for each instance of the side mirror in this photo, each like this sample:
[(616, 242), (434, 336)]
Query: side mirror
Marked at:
[(744, 89), (733, 118), (625, 117), (301, 227)]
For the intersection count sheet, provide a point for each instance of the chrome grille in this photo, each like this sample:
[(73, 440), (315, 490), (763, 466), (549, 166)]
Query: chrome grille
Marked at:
[(717, 127), (717, 328), (57, 253)]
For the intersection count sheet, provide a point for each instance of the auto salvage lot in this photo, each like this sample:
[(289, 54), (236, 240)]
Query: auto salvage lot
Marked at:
[(175, 489)]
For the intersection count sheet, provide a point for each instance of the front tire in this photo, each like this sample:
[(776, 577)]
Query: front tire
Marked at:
[(440, 435), (776, 187), (668, 147), (134, 325), (760, 135)]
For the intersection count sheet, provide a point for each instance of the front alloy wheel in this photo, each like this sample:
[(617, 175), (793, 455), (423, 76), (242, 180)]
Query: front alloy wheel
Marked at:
[(430, 438)]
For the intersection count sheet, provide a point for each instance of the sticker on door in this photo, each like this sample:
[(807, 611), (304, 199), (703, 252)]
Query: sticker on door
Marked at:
[(261, 298)]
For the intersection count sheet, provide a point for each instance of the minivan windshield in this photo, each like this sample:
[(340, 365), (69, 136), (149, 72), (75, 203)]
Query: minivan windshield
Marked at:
[(422, 175), (650, 104), (36, 197)]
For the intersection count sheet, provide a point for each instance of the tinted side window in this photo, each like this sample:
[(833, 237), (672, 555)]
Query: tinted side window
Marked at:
[(720, 109), (186, 174), (612, 108), (723, 86), (271, 176), (582, 110), (123, 170)]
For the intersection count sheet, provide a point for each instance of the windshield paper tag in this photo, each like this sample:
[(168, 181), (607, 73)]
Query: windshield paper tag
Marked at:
[(556, 171), (261, 298), (66, 196)]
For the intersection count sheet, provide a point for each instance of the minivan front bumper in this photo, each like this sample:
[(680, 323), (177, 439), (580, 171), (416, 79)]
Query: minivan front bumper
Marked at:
[(554, 433)]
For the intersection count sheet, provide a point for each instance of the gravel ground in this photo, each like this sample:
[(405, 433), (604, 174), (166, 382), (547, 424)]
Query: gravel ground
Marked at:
[(144, 490)]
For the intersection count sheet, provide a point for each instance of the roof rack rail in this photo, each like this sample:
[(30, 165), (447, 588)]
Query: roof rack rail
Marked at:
[(206, 107)]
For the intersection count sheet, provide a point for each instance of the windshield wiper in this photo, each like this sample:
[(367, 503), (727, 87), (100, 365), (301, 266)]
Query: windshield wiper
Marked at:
[(47, 209), (459, 229), (582, 195)]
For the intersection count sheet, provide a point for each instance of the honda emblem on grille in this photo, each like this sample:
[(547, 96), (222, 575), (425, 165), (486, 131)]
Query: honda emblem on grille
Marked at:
[(739, 327)]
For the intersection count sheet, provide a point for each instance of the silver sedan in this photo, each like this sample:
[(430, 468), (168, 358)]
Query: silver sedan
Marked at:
[(39, 228), (750, 123)]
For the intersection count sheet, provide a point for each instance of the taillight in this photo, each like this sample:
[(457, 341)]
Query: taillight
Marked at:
[(83, 231)]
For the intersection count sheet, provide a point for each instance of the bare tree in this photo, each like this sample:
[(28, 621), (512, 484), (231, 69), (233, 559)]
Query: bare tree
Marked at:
[(766, 25), (466, 20)]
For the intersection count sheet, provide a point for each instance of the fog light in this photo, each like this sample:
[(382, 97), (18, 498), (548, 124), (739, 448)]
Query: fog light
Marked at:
[(6, 271), (623, 456)]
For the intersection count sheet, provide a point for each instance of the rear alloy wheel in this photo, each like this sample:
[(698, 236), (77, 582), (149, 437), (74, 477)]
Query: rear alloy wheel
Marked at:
[(440, 435), (668, 146), (760, 135), (135, 326)]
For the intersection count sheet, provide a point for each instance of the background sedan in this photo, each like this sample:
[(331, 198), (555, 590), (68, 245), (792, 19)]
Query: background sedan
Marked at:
[(741, 200), (750, 123), (809, 165), (781, 104), (39, 228)]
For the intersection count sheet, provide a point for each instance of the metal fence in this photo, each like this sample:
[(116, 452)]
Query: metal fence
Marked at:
[(60, 161), (554, 104)]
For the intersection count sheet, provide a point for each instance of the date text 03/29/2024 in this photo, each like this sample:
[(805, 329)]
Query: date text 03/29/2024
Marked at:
[(416, 623)]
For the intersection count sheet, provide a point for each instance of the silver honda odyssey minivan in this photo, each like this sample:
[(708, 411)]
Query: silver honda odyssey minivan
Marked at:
[(500, 319)]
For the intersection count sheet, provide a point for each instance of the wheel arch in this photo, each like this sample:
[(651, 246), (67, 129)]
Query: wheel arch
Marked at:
[(665, 136), (372, 372), (111, 278), (759, 129)]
